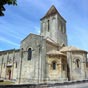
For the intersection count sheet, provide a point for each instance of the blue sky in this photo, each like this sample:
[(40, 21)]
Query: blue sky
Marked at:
[(24, 18)]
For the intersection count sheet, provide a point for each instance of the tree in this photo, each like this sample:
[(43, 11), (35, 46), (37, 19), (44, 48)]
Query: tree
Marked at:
[(4, 2)]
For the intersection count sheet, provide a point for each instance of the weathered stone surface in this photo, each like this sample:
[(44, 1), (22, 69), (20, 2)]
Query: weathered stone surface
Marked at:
[(48, 47)]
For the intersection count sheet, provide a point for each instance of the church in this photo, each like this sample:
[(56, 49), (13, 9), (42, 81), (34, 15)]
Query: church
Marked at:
[(45, 58)]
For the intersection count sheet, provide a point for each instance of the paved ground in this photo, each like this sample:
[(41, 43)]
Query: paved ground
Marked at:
[(81, 85)]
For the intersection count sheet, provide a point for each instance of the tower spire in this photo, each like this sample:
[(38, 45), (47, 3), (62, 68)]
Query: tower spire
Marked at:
[(51, 12)]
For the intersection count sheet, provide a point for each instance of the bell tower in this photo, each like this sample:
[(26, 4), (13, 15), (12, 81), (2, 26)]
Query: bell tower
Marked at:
[(53, 25)]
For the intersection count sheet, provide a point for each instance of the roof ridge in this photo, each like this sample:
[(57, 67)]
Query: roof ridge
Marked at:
[(51, 11)]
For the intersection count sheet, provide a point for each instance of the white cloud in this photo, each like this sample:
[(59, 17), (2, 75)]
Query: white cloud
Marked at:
[(17, 20), (37, 29), (11, 30), (13, 35), (8, 41)]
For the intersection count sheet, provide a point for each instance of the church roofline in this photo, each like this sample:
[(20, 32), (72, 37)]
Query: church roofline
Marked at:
[(55, 52), (72, 49), (28, 36), (77, 51), (8, 51), (55, 11), (52, 43)]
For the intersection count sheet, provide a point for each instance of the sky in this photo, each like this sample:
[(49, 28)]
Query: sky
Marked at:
[(23, 19)]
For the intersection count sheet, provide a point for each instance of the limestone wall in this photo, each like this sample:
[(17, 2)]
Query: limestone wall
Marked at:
[(53, 74), (57, 29), (51, 32), (77, 72), (50, 47), (33, 71), (9, 60), (58, 74)]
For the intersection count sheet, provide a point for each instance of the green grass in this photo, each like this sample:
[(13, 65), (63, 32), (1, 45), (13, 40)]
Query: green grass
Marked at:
[(6, 83)]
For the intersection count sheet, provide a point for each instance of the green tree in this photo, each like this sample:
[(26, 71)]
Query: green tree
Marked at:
[(4, 2)]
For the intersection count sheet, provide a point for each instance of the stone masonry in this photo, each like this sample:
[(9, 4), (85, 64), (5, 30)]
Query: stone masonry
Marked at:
[(45, 58)]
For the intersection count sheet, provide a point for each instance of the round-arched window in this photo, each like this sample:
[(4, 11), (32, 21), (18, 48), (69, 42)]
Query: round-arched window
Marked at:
[(77, 63), (29, 54), (54, 65)]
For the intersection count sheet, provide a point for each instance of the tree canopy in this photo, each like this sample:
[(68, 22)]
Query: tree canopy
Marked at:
[(4, 2)]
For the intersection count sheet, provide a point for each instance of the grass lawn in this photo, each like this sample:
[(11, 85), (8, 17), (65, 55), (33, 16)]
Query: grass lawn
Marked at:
[(6, 83)]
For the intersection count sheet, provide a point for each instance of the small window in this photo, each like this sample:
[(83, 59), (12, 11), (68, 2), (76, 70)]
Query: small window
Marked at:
[(77, 63), (64, 28), (54, 65), (29, 53), (16, 64), (48, 26)]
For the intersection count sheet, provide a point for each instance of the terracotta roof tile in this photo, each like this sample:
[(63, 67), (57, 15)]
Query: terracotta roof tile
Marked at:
[(55, 52), (71, 48)]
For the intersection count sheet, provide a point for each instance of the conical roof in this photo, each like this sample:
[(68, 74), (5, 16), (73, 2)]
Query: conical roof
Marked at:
[(55, 52), (70, 48)]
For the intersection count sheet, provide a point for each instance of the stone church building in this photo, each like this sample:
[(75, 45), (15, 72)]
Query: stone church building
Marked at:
[(45, 58)]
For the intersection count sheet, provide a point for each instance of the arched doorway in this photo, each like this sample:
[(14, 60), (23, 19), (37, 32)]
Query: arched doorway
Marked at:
[(9, 74)]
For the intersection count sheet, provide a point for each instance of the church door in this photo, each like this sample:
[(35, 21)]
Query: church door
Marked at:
[(9, 71)]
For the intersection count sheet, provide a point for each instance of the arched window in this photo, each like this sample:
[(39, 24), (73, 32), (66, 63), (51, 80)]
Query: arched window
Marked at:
[(29, 53), (48, 26), (16, 65), (77, 63), (54, 65), (64, 28)]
